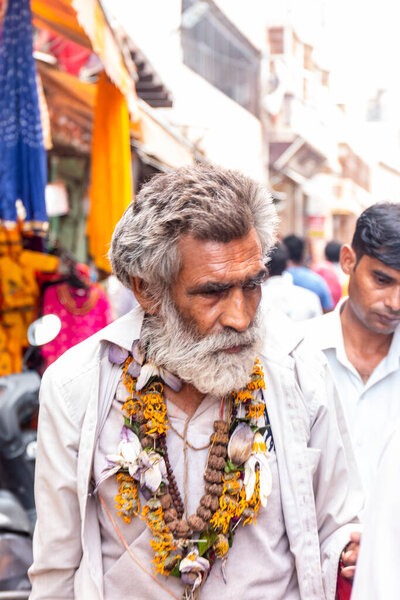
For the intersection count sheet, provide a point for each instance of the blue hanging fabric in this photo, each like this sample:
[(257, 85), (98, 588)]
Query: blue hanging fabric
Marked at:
[(23, 169)]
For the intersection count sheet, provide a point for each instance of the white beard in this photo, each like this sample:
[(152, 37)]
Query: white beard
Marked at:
[(171, 343)]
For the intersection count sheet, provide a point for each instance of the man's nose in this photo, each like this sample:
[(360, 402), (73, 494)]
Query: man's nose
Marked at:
[(235, 311), (393, 299)]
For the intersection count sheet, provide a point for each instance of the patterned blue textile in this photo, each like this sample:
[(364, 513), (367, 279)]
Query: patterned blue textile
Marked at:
[(23, 170)]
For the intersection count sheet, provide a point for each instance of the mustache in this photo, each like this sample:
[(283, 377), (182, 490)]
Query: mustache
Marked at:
[(228, 338), (176, 344)]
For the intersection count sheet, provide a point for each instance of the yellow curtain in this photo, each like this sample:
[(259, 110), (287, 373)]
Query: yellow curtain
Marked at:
[(111, 177)]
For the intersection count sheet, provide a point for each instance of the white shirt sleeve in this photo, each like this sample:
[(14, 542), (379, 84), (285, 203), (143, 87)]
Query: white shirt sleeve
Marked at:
[(377, 572)]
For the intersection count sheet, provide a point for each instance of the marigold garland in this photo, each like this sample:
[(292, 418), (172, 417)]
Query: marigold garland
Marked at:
[(146, 414)]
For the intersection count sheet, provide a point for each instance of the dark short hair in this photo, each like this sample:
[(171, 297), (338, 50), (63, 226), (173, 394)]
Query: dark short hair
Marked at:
[(295, 246), (377, 234), (278, 260), (332, 251)]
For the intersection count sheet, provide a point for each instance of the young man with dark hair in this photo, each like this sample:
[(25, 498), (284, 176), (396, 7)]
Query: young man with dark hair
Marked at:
[(303, 276), (361, 338)]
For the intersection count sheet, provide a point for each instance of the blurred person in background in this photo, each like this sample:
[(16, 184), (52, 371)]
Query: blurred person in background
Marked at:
[(302, 275), (332, 254), (361, 337), (327, 271), (279, 291)]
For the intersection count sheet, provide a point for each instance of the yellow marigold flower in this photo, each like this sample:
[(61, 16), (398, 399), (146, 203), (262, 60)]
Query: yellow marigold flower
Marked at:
[(221, 545), (243, 396), (220, 520), (259, 445)]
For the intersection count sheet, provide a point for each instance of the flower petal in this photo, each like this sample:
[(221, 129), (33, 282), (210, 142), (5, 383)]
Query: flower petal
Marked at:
[(147, 371), (193, 568), (117, 355), (134, 369), (151, 478), (127, 435), (130, 450), (121, 392), (113, 459), (249, 477), (240, 444), (133, 469), (171, 380)]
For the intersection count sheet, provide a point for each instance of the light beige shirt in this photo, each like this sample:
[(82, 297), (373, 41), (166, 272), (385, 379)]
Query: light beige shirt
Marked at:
[(320, 492), (262, 549)]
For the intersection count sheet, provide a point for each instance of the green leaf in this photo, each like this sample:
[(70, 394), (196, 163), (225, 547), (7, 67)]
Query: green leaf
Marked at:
[(132, 425), (206, 541), (175, 571)]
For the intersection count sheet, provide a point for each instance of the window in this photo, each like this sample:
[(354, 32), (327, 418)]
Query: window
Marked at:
[(276, 40), (308, 60), (215, 49)]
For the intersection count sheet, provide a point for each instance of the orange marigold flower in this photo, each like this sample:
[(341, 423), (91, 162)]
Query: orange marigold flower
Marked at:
[(255, 411)]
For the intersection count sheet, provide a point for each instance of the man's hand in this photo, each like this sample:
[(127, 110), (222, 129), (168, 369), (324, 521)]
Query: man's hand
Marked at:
[(349, 556)]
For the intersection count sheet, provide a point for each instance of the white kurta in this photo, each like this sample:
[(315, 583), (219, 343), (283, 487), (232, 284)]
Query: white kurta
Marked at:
[(371, 408), (377, 575), (319, 488), (266, 539)]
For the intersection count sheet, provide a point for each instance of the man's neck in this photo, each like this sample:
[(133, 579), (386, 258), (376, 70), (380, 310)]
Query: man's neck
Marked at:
[(364, 348), (187, 399)]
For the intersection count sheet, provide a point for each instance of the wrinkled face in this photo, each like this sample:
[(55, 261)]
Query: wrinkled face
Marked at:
[(374, 292), (207, 329), (219, 285)]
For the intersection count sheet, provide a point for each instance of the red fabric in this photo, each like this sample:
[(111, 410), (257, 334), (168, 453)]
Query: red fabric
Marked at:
[(343, 590), (70, 55), (327, 271)]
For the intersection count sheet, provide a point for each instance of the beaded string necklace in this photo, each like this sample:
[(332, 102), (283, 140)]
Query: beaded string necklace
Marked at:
[(237, 478)]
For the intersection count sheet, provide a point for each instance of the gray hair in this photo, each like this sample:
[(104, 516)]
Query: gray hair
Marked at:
[(205, 201)]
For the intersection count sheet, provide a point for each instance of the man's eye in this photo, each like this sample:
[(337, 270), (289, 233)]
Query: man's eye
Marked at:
[(213, 292), (252, 285), (381, 280)]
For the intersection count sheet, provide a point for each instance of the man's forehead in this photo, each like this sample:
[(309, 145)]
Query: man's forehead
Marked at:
[(375, 264), (208, 258)]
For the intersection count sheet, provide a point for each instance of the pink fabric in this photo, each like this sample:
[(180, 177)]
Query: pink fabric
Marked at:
[(328, 272), (74, 328)]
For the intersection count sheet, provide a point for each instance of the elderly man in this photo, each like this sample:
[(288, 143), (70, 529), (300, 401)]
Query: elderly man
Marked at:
[(191, 449)]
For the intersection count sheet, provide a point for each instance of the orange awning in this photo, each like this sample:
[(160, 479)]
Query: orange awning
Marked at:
[(77, 99), (84, 22)]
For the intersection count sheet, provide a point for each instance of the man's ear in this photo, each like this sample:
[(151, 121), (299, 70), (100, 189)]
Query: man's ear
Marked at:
[(140, 289), (348, 259)]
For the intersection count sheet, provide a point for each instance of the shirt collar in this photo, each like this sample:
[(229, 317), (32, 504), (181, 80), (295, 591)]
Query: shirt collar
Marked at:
[(328, 328), (393, 356), (124, 331)]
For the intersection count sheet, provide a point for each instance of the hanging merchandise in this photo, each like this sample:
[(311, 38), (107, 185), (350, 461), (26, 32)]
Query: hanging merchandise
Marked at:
[(111, 178), (19, 296), (82, 307), (23, 170)]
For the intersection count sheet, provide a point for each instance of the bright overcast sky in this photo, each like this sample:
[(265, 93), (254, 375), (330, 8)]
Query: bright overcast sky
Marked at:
[(361, 38), (364, 44)]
